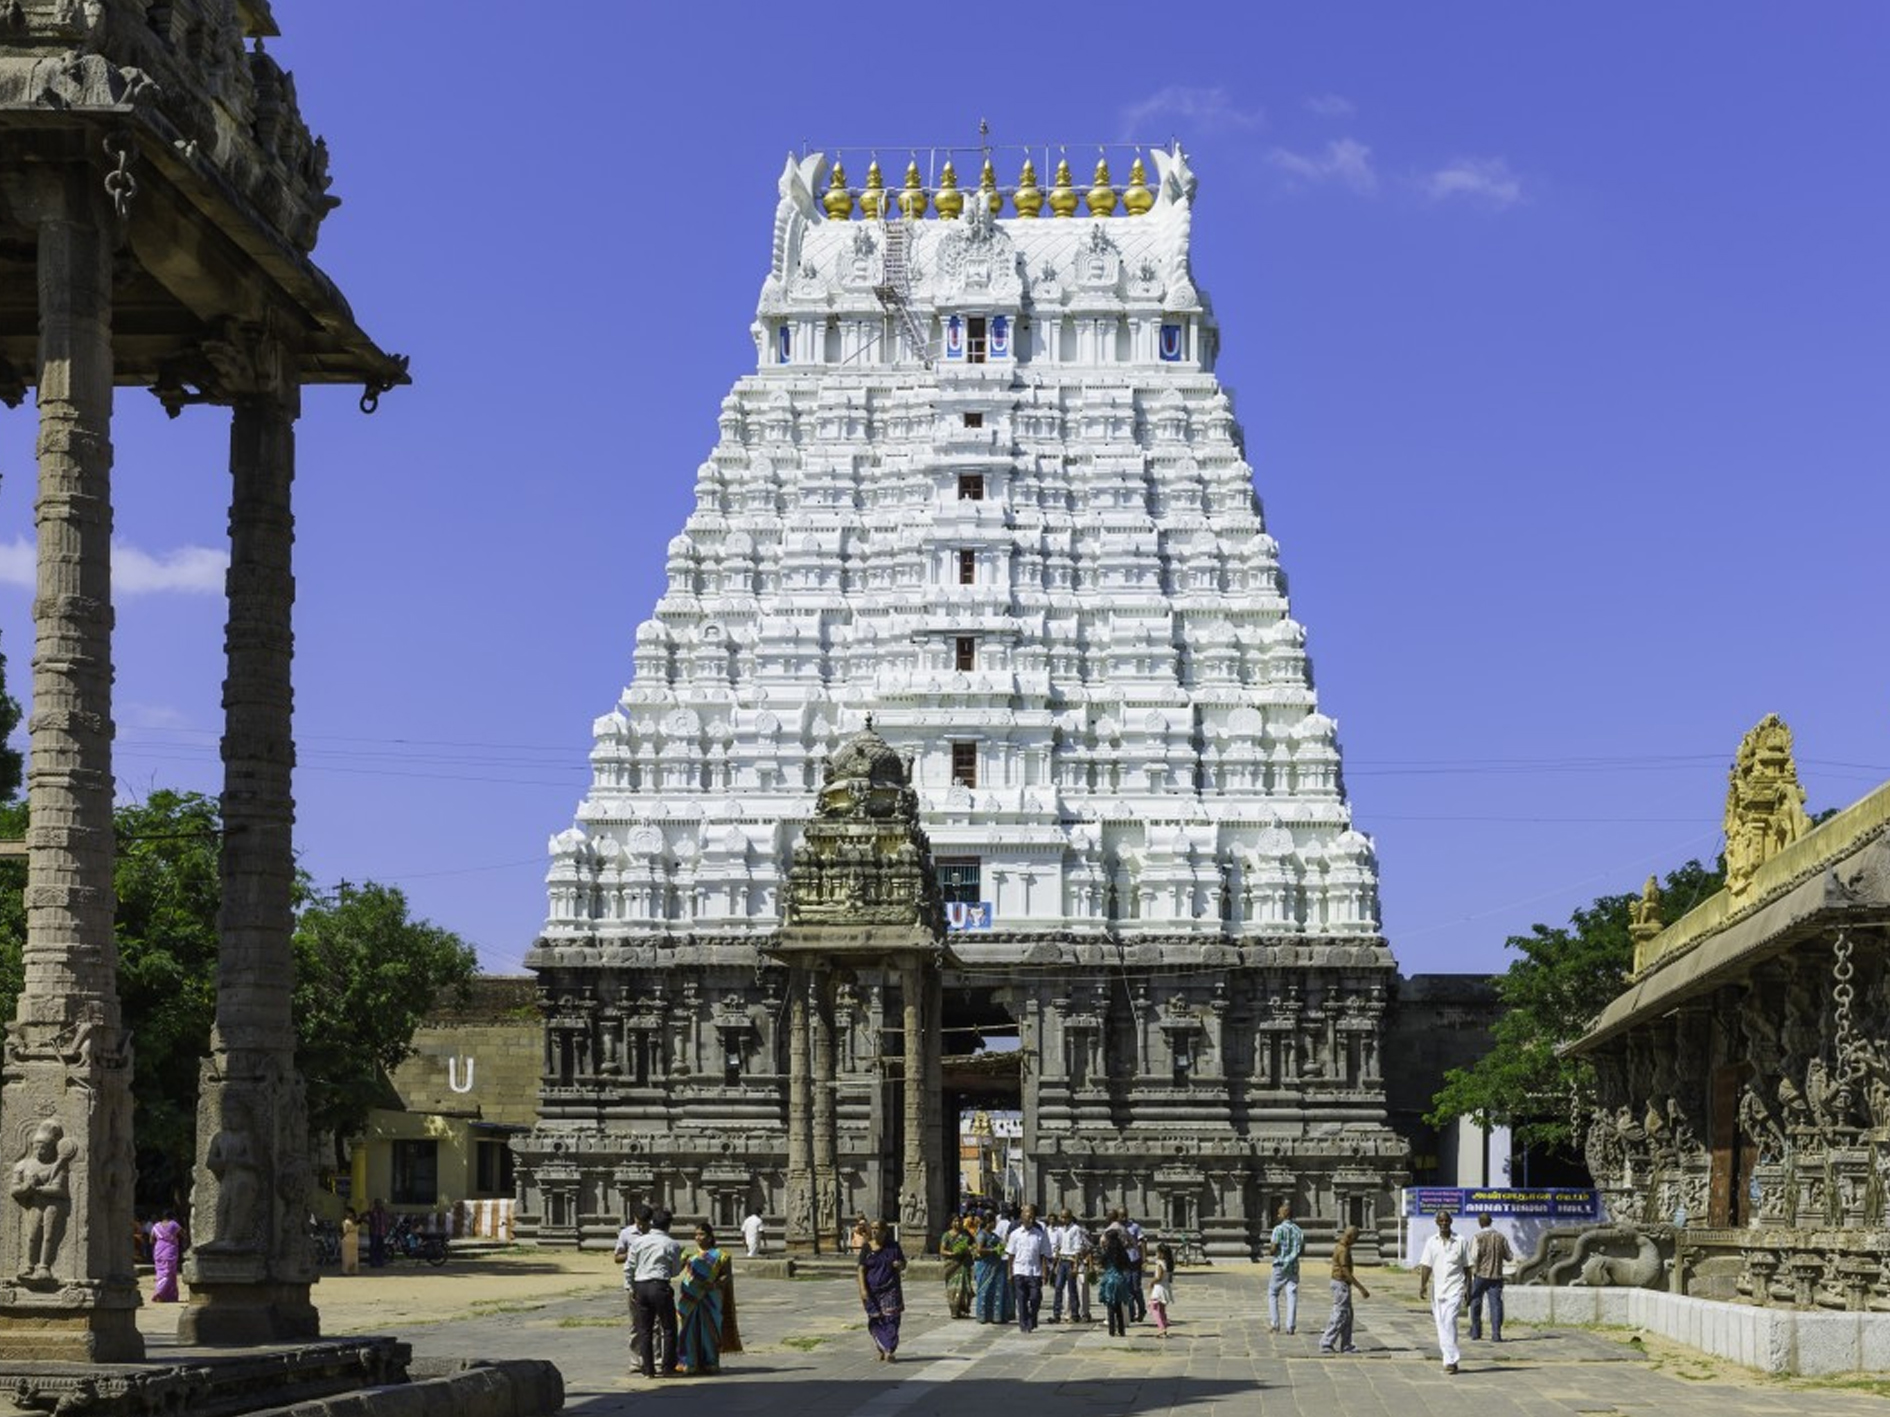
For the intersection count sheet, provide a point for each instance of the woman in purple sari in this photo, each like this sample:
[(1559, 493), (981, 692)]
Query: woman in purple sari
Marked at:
[(880, 1294), (167, 1249)]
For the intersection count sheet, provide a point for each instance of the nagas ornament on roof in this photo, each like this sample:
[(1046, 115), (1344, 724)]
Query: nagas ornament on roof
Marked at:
[(1765, 806)]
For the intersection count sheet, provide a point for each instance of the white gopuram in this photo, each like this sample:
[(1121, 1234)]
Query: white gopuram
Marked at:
[(983, 486)]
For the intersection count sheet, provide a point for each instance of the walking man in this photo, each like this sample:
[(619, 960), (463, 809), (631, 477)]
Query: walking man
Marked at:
[(751, 1232), (1027, 1247), (1443, 1276), (1138, 1303), (1338, 1335), (650, 1261), (1489, 1254), (1287, 1243), (1070, 1243)]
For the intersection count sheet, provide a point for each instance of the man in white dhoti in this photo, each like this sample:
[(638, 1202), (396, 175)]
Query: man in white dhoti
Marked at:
[(1443, 1272)]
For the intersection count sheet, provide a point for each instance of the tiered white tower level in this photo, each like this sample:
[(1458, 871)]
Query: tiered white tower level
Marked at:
[(983, 486)]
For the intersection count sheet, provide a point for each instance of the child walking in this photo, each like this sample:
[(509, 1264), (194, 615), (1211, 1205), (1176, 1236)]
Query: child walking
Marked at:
[(1159, 1294)]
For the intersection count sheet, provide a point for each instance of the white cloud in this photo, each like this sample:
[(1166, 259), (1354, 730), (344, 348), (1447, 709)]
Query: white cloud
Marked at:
[(189, 570), (1345, 161), (1481, 179), (1331, 105), (1203, 110)]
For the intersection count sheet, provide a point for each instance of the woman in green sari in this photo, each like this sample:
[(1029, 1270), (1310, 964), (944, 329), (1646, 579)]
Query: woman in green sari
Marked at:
[(956, 1247), (705, 1311)]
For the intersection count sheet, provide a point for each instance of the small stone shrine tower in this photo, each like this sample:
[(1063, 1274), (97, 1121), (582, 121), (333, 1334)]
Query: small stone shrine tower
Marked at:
[(159, 200), (863, 912)]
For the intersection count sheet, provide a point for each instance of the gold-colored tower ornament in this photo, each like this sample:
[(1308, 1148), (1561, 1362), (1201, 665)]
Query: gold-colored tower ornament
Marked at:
[(838, 200), (1136, 197), (1765, 806), (873, 195), (1644, 920), (1028, 198), (912, 201), (1063, 196), (988, 188), (1101, 197), (950, 201)]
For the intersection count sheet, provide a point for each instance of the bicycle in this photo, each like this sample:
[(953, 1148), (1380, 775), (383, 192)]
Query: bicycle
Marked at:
[(1190, 1248)]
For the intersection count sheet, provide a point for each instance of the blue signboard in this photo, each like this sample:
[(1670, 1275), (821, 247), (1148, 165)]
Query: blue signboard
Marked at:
[(969, 915), (1556, 1203)]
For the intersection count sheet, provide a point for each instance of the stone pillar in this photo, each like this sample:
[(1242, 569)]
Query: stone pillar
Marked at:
[(67, 1287), (250, 1268), (915, 1180), (800, 1175), (827, 1218)]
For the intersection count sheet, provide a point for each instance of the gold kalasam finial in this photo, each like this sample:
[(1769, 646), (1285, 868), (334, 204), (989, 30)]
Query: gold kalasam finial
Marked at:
[(988, 188), (949, 200), (1063, 197), (1765, 806), (838, 200), (873, 196), (912, 200), (1136, 197), (1028, 198), (1101, 197)]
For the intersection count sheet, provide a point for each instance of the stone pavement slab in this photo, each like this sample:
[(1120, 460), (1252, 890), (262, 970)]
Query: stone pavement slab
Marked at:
[(807, 1354)]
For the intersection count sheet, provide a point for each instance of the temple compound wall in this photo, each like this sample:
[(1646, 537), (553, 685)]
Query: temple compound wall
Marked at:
[(984, 486), (1741, 1127)]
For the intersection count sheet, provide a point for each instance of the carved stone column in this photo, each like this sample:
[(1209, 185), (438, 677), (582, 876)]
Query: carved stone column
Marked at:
[(251, 1268), (827, 1218), (800, 1176), (915, 1177), (67, 1288)]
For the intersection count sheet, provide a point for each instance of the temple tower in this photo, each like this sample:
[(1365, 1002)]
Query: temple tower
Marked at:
[(984, 486)]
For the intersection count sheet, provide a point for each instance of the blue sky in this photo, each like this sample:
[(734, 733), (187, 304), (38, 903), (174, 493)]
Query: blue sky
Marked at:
[(1561, 339)]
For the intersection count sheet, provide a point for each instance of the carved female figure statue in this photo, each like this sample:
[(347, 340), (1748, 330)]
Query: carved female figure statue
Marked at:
[(41, 1188), (232, 1160)]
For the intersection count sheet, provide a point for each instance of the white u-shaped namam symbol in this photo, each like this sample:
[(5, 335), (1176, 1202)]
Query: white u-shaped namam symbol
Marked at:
[(452, 1074)]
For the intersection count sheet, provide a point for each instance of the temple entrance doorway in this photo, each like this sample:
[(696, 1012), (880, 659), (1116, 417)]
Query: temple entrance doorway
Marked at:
[(982, 1080)]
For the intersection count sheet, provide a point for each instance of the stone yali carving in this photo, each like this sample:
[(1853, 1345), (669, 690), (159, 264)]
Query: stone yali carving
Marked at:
[(42, 1189)]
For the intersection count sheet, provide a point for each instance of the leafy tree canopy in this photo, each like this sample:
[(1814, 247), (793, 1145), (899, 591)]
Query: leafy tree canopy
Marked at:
[(1564, 977), (11, 763), (366, 976)]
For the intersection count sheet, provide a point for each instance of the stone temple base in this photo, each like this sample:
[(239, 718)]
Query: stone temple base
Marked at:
[(245, 1315), (50, 1333)]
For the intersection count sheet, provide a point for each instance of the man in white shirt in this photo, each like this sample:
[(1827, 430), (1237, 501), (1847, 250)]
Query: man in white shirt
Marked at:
[(1444, 1271), (751, 1232), (1027, 1247), (1069, 1243), (650, 1261)]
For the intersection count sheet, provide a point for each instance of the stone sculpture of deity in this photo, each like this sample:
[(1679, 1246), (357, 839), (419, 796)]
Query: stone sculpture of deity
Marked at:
[(41, 1187)]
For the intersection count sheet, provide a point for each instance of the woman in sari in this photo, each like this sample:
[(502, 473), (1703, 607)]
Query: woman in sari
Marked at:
[(956, 1249), (167, 1249), (705, 1309), (880, 1293), (992, 1278)]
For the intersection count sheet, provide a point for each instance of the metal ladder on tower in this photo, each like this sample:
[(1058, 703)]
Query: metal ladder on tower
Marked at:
[(896, 284)]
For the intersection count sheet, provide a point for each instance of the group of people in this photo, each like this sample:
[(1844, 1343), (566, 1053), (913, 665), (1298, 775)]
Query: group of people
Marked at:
[(677, 1329)]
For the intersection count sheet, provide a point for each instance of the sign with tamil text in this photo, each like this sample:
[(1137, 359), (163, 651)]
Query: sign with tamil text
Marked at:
[(1558, 1203)]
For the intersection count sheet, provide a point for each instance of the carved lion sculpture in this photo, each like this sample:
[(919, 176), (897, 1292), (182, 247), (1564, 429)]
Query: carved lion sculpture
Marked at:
[(1621, 1256)]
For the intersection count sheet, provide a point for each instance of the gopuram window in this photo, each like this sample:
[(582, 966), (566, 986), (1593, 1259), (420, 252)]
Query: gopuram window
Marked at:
[(967, 566), (960, 879), (965, 764), (971, 484), (965, 657), (975, 341)]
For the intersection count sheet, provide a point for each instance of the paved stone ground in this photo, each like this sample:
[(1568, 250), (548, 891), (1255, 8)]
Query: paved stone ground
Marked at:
[(807, 1354)]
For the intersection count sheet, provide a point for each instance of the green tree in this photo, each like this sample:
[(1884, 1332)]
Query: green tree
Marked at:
[(12, 766), (1564, 977), (366, 976)]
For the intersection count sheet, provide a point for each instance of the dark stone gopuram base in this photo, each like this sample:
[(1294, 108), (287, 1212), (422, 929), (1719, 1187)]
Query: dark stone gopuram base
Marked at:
[(247, 1315)]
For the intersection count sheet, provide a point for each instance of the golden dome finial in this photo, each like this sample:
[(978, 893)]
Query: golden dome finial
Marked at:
[(1101, 197), (1136, 197), (1028, 198), (912, 197), (988, 188), (838, 200), (1063, 197), (949, 200), (873, 196)]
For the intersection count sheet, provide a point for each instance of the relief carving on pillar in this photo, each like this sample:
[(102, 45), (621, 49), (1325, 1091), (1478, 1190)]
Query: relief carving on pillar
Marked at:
[(41, 1185)]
